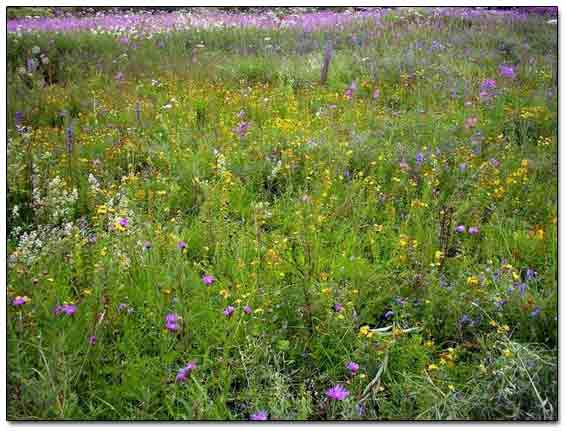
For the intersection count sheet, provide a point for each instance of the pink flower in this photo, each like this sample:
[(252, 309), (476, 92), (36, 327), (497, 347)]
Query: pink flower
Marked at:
[(470, 122), (67, 309), (208, 279), (260, 415), (353, 367), (337, 392)]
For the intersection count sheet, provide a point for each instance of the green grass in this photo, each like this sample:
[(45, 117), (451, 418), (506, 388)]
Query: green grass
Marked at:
[(313, 206)]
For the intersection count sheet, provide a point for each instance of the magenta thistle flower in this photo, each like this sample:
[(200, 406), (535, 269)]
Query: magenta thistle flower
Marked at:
[(260, 415), (20, 300), (208, 279), (172, 322), (461, 228), (353, 367), (337, 392), (228, 311), (92, 340), (248, 309), (473, 230), (507, 71), (181, 245), (67, 309), (184, 372)]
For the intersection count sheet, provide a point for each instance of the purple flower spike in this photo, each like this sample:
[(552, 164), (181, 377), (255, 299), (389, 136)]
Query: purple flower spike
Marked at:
[(337, 392), (260, 415)]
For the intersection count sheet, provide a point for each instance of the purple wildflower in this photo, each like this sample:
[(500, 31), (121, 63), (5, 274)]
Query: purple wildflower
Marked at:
[(228, 311), (241, 129), (338, 307), (499, 304), (349, 93), (461, 228), (337, 392), (181, 245), (122, 307), (462, 167), (248, 309), (473, 230), (68, 309), (353, 367), (92, 340), (123, 222), (389, 314), (530, 274), (507, 71), (487, 85), (522, 287), (535, 312), (495, 163), (119, 76), (375, 94), (419, 159), (19, 300), (208, 279), (465, 321), (19, 119), (184, 372), (172, 322), (260, 415)]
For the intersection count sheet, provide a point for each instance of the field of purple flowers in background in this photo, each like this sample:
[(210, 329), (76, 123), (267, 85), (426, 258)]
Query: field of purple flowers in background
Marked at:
[(282, 213)]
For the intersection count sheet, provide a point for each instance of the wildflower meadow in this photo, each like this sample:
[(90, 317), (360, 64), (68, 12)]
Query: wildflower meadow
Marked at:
[(282, 214)]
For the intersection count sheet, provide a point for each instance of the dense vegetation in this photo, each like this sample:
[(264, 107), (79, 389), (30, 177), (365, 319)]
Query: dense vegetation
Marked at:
[(198, 228)]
